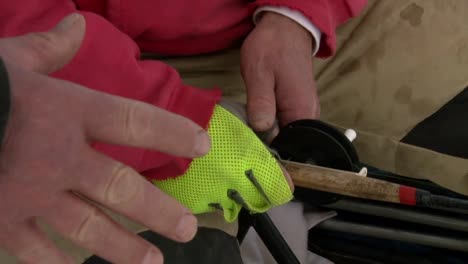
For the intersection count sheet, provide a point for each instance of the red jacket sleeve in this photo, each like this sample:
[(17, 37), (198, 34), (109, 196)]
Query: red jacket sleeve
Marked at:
[(326, 15), (108, 61)]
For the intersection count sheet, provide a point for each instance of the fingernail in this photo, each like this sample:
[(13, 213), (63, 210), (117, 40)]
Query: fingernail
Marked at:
[(203, 143), (153, 257), (187, 227), (68, 21)]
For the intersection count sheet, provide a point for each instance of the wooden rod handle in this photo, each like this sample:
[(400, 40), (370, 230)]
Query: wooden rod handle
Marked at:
[(341, 182)]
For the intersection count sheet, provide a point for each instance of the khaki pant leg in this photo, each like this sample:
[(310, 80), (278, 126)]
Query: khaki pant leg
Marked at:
[(397, 64), (220, 70)]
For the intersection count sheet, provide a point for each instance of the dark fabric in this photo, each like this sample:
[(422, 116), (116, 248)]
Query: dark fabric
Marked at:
[(5, 100), (210, 246), (342, 248), (361, 246), (446, 131)]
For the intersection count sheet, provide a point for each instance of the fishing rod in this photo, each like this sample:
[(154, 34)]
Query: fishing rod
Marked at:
[(319, 157), (354, 185)]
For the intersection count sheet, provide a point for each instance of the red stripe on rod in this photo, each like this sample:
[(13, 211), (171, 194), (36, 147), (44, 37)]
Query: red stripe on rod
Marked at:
[(407, 195)]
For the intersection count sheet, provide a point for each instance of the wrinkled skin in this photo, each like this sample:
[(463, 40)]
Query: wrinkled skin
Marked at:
[(48, 170), (276, 64)]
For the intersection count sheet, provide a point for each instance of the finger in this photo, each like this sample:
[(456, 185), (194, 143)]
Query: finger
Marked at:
[(30, 245), (90, 228), (240, 111), (297, 95), (123, 190), (260, 85), (49, 51), (122, 121)]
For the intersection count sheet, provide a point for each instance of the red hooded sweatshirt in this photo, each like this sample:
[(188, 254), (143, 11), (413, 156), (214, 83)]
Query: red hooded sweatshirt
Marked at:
[(117, 30)]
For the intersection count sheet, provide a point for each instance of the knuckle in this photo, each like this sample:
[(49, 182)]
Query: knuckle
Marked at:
[(129, 115), (42, 39), (123, 186), (87, 229), (255, 64), (42, 45), (261, 101)]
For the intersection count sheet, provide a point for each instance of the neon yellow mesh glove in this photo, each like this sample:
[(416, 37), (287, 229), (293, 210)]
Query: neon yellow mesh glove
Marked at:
[(239, 171)]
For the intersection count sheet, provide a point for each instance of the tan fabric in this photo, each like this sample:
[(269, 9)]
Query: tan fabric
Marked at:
[(396, 64)]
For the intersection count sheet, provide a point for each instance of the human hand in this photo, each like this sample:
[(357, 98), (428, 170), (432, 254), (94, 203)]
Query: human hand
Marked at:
[(238, 172), (276, 64), (48, 170)]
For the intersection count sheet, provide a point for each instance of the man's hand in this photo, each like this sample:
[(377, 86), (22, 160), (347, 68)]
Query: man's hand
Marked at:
[(48, 170), (276, 63)]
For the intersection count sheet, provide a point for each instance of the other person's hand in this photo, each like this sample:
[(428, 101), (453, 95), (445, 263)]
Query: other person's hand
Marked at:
[(48, 170), (276, 64)]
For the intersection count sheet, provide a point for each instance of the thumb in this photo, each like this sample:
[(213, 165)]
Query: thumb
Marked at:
[(261, 101), (45, 52)]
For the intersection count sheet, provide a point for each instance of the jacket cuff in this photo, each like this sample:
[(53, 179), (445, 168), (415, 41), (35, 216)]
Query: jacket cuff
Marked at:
[(5, 101), (326, 15)]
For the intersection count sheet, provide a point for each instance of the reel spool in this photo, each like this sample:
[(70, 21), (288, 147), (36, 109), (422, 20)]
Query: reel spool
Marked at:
[(317, 143)]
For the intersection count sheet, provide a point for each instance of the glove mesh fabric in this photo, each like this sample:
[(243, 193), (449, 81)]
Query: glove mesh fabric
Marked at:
[(235, 151)]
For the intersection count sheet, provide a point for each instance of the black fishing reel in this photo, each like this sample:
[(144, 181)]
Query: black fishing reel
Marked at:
[(318, 143)]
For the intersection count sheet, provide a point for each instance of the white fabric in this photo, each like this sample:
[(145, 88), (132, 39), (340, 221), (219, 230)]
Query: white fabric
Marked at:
[(297, 16), (293, 222)]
